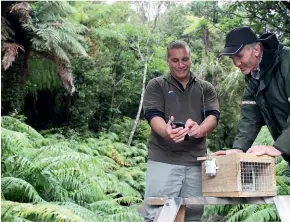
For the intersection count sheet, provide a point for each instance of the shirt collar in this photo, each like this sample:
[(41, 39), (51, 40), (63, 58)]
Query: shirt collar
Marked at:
[(256, 74), (175, 82)]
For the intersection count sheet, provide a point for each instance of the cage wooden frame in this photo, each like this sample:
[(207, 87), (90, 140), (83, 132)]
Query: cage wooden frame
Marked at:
[(228, 180)]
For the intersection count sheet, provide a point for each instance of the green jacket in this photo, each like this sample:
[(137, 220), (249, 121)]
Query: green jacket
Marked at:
[(267, 101)]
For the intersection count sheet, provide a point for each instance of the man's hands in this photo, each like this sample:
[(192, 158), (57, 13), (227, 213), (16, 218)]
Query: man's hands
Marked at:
[(195, 130), (177, 134), (259, 150), (192, 128)]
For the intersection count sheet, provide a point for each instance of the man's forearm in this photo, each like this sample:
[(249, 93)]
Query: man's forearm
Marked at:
[(208, 125), (158, 125)]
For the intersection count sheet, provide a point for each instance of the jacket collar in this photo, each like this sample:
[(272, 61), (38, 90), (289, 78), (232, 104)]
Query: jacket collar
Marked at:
[(176, 83), (271, 50)]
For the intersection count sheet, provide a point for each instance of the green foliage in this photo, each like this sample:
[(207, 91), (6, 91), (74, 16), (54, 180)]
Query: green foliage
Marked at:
[(264, 15), (53, 32), (65, 178), (16, 125), (38, 212), (42, 75), (16, 189), (122, 127), (12, 89), (264, 137)]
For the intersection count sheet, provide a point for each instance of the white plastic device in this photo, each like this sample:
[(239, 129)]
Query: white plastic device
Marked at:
[(210, 167)]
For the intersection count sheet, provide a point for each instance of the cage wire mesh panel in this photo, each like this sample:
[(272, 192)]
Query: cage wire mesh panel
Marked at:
[(256, 176)]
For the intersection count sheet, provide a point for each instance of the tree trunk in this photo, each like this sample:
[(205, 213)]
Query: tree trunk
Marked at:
[(112, 96), (140, 104)]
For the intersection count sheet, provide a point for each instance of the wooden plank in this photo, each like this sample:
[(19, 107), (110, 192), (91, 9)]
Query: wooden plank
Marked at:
[(242, 156), (169, 210), (241, 194), (181, 214), (282, 204), (156, 200), (254, 157), (213, 200)]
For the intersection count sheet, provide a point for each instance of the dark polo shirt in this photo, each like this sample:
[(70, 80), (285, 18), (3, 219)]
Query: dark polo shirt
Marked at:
[(166, 97)]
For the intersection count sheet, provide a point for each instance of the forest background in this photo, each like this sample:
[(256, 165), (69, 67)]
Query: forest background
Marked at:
[(73, 136)]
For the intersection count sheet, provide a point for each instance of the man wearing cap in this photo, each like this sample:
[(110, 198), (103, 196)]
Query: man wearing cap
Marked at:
[(266, 100)]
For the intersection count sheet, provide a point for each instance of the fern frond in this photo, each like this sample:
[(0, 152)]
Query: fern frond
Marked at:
[(14, 142), (61, 8), (83, 212), (107, 206), (6, 32), (282, 168), (53, 150), (133, 176), (85, 193), (282, 185), (83, 148), (16, 125), (269, 213), (17, 166), (125, 189), (7, 214), (142, 146), (128, 200), (71, 42), (106, 163), (42, 212), (124, 216), (65, 74), (10, 53), (19, 189), (51, 189), (21, 9)]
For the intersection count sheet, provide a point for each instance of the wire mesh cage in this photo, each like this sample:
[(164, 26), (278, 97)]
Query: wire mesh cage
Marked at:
[(256, 176), (240, 175)]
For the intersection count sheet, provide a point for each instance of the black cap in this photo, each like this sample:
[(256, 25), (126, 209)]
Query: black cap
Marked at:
[(237, 38)]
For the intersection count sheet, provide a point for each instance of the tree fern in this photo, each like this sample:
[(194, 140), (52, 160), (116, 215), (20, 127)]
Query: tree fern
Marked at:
[(56, 37), (21, 9), (10, 52), (42, 75), (61, 8), (6, 32)]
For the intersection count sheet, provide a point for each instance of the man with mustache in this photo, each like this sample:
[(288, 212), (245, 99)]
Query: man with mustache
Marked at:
[(172, 167), (266, 100)]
